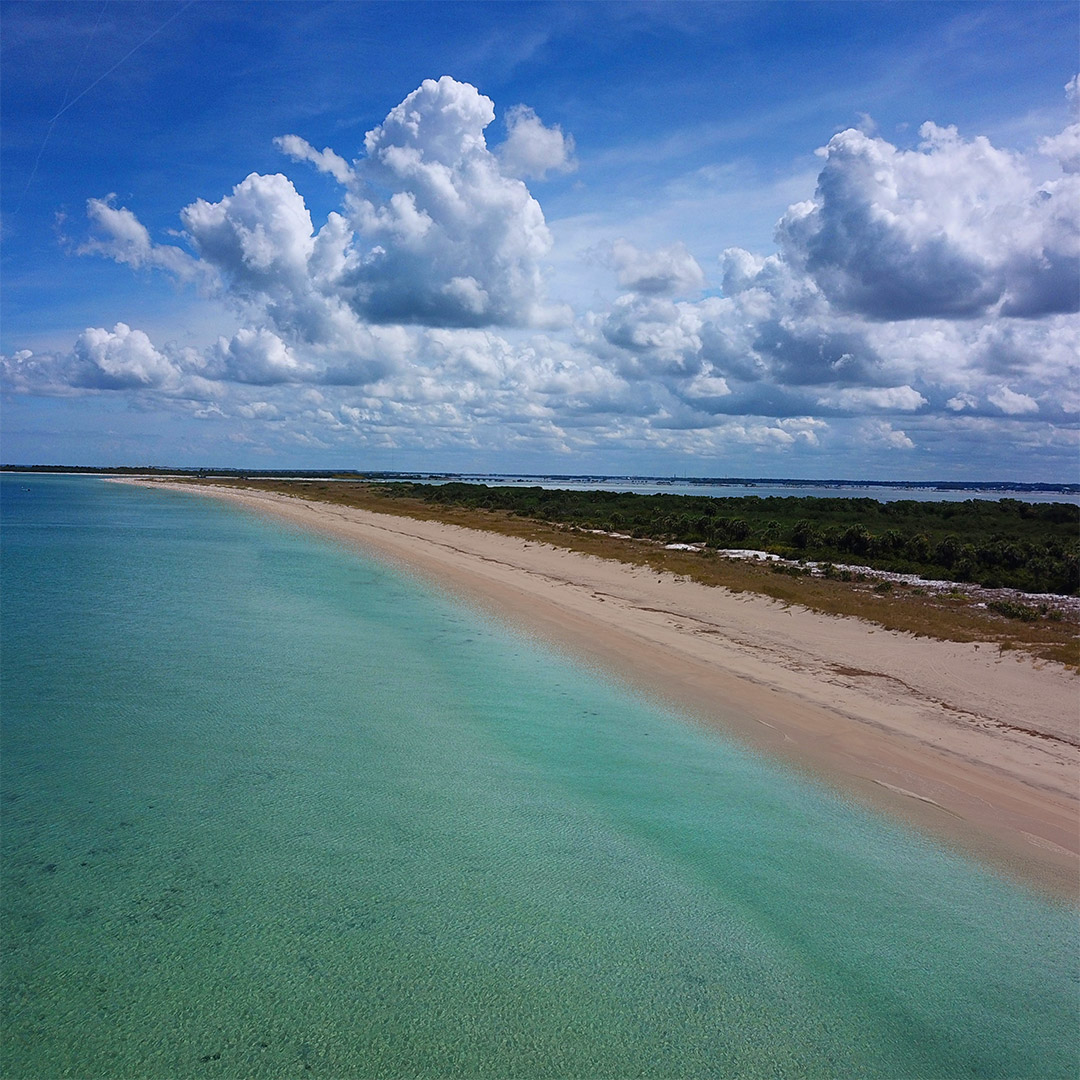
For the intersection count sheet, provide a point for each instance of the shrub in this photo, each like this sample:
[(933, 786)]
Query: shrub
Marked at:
[(1013, 609)]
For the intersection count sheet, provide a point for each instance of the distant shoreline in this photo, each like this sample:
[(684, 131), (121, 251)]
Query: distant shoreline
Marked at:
[(989, 487), (981, 749)]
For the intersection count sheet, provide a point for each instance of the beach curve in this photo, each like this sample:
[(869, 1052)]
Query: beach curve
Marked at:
[(979, 748)]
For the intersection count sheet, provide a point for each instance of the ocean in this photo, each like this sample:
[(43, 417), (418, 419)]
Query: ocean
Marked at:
[(274, 808)]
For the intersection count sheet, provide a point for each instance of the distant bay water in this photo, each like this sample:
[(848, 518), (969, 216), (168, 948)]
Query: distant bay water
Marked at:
[(779, 489), (272, 808)]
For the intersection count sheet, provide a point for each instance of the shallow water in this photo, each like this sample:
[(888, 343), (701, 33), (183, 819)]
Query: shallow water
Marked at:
[(272, 808)]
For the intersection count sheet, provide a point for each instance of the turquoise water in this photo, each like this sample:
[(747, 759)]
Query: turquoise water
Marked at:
[(272, 809)]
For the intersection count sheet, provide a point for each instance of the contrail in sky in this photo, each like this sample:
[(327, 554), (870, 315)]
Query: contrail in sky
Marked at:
[(126, 56), (67, 104), (67, 92)]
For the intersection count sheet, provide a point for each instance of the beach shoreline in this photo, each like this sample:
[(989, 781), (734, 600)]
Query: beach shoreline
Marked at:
[(976, 747)]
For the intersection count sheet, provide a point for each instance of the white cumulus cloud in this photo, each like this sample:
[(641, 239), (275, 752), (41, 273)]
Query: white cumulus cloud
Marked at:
[(456, 241), (960, 402), (259, 357), (880, 433), (260, 236), (1012, 403), (532, 150), (885, 398), (119, 235), (665, 271), (120, 358), (324, 160), (949, 229)]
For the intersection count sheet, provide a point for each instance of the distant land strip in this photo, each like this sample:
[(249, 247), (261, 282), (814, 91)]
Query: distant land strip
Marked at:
[(974, 486)]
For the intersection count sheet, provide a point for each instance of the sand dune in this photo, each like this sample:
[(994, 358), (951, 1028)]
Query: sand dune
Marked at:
[(977, 747)]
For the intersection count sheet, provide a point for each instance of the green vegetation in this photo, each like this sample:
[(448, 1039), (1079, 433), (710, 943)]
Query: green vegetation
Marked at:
[(1014, 609), (998, 544)]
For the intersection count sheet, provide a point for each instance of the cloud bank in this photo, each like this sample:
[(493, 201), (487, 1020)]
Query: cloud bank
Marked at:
[(916, 295)]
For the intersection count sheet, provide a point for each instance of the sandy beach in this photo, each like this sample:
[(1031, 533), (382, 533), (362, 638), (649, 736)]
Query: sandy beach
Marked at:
[(980, 749)]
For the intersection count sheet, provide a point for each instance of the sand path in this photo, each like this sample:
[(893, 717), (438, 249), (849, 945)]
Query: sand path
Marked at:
[(978, 747)]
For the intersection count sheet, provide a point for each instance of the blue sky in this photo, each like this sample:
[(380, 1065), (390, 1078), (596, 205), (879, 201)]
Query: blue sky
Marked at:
[(788, 239)]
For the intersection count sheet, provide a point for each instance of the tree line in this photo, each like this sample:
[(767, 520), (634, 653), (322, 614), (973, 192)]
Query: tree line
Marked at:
[(1003, 543)]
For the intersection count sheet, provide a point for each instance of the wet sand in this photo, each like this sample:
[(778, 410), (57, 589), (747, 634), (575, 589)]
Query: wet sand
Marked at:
[(979, 748)]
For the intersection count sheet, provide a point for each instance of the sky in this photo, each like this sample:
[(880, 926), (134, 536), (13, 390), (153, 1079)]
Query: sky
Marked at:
[(709, 239)]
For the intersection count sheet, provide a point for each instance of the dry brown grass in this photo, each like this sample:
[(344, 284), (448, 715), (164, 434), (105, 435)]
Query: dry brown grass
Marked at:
[(945, 616)]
